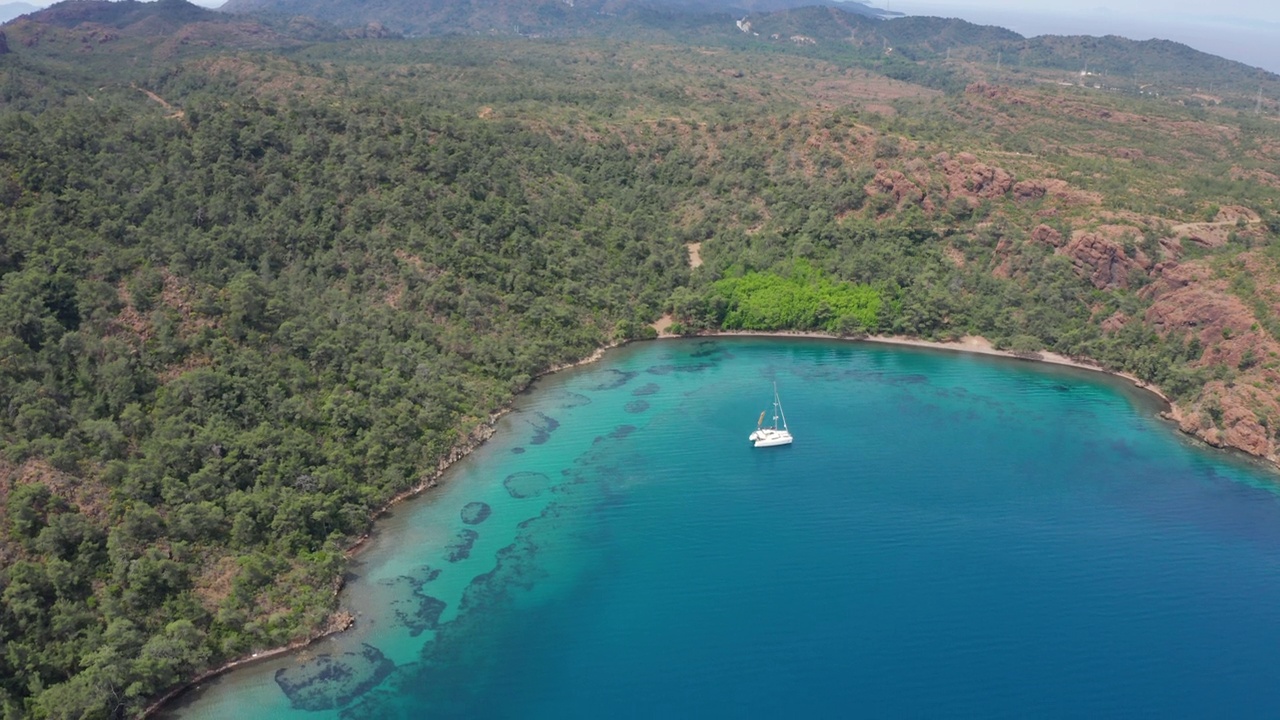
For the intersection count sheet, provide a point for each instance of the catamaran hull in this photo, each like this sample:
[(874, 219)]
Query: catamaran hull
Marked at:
[(770, 438)]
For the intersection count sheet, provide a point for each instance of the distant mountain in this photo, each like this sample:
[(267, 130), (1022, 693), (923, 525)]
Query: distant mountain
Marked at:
[(542, 17), (1123, 62), (122, 13), (9, 11), (77, 30), (1143, 61), (906, 48)]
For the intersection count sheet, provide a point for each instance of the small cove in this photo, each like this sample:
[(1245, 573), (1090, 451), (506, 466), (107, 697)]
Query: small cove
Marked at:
[(950, 534)]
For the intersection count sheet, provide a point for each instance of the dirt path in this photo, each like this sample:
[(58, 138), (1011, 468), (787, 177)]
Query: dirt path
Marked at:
[(174, 112), (662, 326), (1188, 228), (695, 254)]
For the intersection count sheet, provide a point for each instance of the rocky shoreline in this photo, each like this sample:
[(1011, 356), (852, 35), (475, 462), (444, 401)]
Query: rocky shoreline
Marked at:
[(342, 620)]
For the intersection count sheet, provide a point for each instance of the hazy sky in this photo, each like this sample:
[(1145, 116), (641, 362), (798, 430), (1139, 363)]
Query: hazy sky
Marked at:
[(1189, 9), (1244, 30)]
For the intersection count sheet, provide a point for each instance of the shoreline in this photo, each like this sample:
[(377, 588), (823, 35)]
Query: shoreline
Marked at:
[(341, 620), (975, 344)]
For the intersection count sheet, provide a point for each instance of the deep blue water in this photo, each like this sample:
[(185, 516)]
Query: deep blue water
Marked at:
[(950, 535)]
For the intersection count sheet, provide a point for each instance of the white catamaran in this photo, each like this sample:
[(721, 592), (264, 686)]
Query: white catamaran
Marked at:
[(771, 436)]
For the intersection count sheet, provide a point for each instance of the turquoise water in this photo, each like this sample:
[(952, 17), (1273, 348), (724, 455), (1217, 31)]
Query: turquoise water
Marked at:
[(950, 535)]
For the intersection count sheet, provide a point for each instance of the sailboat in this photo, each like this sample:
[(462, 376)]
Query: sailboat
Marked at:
[(771, 436)]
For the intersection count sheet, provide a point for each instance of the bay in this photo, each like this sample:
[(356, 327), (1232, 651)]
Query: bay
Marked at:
[(949, 535)]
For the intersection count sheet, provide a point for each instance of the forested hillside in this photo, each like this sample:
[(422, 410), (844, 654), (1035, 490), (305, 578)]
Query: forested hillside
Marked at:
[(248, 297)]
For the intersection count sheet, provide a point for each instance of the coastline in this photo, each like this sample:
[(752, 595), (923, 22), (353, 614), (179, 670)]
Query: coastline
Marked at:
[(341, 620), (975, 344)]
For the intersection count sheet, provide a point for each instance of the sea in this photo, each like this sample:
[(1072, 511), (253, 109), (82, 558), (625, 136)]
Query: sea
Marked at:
[(1240, 30), (950, 535)]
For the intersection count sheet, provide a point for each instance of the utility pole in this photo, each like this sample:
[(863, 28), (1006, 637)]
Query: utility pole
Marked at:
[(1258, 108)]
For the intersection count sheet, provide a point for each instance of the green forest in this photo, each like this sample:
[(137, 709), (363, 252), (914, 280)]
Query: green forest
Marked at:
[(247, 298)]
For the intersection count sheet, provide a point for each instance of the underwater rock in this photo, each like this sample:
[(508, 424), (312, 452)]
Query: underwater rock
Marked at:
[(330, 681), (419, 611), (377, 704), (543, 426), (710, 348), (566, 399), (685, 368), (613, 379), (426, 615), (646, 389), (474, 513), (637, 406), (525, 484), (415, 609), (460, 548)]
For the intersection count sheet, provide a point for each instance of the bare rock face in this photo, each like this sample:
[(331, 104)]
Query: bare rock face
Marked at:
[(1188, 300), (1198, 311), (1004, 251), (1234, 213), (1185, 302), (1229, 416), (1241, 428), (1171, 276), (1029, 190), (1114, 323), (1100, 260), (897, 185), (966, 177), (1047, 235)]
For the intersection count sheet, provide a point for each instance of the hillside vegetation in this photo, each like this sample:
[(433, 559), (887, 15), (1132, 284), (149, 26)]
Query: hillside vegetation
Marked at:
[(247, 297)]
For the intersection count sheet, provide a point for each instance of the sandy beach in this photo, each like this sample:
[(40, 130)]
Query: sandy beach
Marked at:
[(969, 344)]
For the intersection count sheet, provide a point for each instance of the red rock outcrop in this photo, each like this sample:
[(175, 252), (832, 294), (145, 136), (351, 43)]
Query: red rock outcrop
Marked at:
[(1185, 300), (966, 177), (1101, 260), (897, 185), (1188, 299), (1047, 235), (1114, 323), (1029, 190), (1199, 312), (1229, 416)]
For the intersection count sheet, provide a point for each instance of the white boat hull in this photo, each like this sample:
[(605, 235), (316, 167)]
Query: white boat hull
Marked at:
[(768, 437)]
